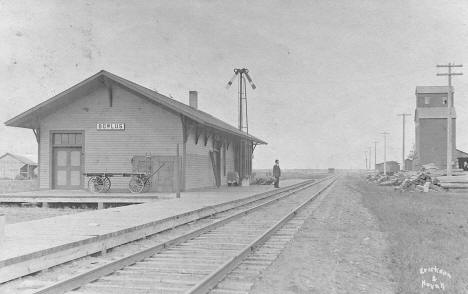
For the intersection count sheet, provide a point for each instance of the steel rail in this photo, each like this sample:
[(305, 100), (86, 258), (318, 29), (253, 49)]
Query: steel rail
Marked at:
[(213, 279), (186, 217), (106, 269)]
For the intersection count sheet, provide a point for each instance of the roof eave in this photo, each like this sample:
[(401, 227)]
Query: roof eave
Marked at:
[(18, 121), (24, 120)]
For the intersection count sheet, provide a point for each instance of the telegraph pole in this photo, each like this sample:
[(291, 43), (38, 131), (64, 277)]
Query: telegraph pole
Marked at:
[(449, 113), (365, 155), (403, 115), (385, 152), (375, 154), (370, 155)]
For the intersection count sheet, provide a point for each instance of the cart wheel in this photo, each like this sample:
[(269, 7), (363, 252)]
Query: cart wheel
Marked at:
[(136, 185), (96, 184), (106, 184), (91, 184)]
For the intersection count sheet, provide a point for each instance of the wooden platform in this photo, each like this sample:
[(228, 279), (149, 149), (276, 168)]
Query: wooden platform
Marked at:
[(458, 183), (35, 245), (81, 196)]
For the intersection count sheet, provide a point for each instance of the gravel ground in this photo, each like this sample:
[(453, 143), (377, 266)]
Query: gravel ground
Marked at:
[(339, 249)]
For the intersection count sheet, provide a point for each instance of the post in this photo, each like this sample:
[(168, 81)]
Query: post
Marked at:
[(385, 156), (385, 152), (370, 155), (365, 155), (449, 112), (375, 154), (403, 115), (178, 173), (2, 227), (449, 122), (403, 146), (240, 102)]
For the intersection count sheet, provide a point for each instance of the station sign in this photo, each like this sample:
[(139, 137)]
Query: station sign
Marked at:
[(110, 126)]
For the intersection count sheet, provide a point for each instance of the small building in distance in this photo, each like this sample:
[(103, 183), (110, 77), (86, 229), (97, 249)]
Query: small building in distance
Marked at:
[(409, 164), (391, 166), (462, 157), (14, 166), (107, 124), (431, 126)]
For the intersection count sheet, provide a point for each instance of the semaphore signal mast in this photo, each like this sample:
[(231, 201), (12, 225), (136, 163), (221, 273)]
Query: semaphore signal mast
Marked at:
[(243, 73)]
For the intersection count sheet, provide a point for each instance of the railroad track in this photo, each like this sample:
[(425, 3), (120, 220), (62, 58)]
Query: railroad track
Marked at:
[(197, 261)]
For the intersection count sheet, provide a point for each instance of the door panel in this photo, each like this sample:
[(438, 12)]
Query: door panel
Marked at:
[(61, 158), (75, 158), (67, 168), (61, 179), (75, 178)]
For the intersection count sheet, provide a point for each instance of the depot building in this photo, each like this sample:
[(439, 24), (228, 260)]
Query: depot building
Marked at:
[(107, 124)]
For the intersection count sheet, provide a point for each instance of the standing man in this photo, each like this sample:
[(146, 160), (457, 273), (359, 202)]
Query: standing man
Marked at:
[(276, 173)]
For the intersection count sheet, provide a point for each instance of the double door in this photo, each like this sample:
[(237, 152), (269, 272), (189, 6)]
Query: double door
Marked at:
[(67, 171)]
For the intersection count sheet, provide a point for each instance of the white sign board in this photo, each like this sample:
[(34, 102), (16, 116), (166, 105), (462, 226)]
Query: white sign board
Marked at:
[(110, 126)]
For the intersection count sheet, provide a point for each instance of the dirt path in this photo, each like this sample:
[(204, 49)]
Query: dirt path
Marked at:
[(338, 250)]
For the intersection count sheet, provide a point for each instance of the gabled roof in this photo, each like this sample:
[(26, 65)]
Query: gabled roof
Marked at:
[(432, 89), (20, 158), (30, 118), (460, 154)]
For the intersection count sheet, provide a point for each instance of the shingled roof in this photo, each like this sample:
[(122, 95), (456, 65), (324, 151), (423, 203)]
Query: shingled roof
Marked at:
[(30, 118)]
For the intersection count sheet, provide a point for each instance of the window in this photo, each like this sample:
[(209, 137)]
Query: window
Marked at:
[(67, 139), (427, 100)]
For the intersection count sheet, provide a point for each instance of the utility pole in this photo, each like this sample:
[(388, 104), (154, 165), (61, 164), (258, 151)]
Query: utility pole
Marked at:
[(403, 115), (365, 155), (375, 154), (370, 155), (449, 113), (385, 153)]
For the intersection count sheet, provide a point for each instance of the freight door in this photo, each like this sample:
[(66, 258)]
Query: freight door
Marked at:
[(67, 168)]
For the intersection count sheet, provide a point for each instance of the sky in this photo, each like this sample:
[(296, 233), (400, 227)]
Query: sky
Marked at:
[(330, 75)]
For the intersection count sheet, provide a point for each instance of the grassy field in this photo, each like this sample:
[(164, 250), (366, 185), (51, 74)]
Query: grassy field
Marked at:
[(8, 186), (16, 214), (428, 237)]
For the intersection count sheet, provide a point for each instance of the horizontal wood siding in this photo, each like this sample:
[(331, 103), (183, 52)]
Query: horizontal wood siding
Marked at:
[(229, 161), (10, 167), (148, 129), (198, 168)]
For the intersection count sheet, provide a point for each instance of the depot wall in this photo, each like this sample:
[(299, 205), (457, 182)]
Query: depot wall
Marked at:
[(198, 167), (148, 129)]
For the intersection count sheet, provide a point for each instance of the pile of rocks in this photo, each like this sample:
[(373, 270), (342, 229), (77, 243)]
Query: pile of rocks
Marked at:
[(423, 181)]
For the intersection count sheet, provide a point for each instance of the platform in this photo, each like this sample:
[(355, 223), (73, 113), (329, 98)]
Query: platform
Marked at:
[(81, 196), (35, 245)]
